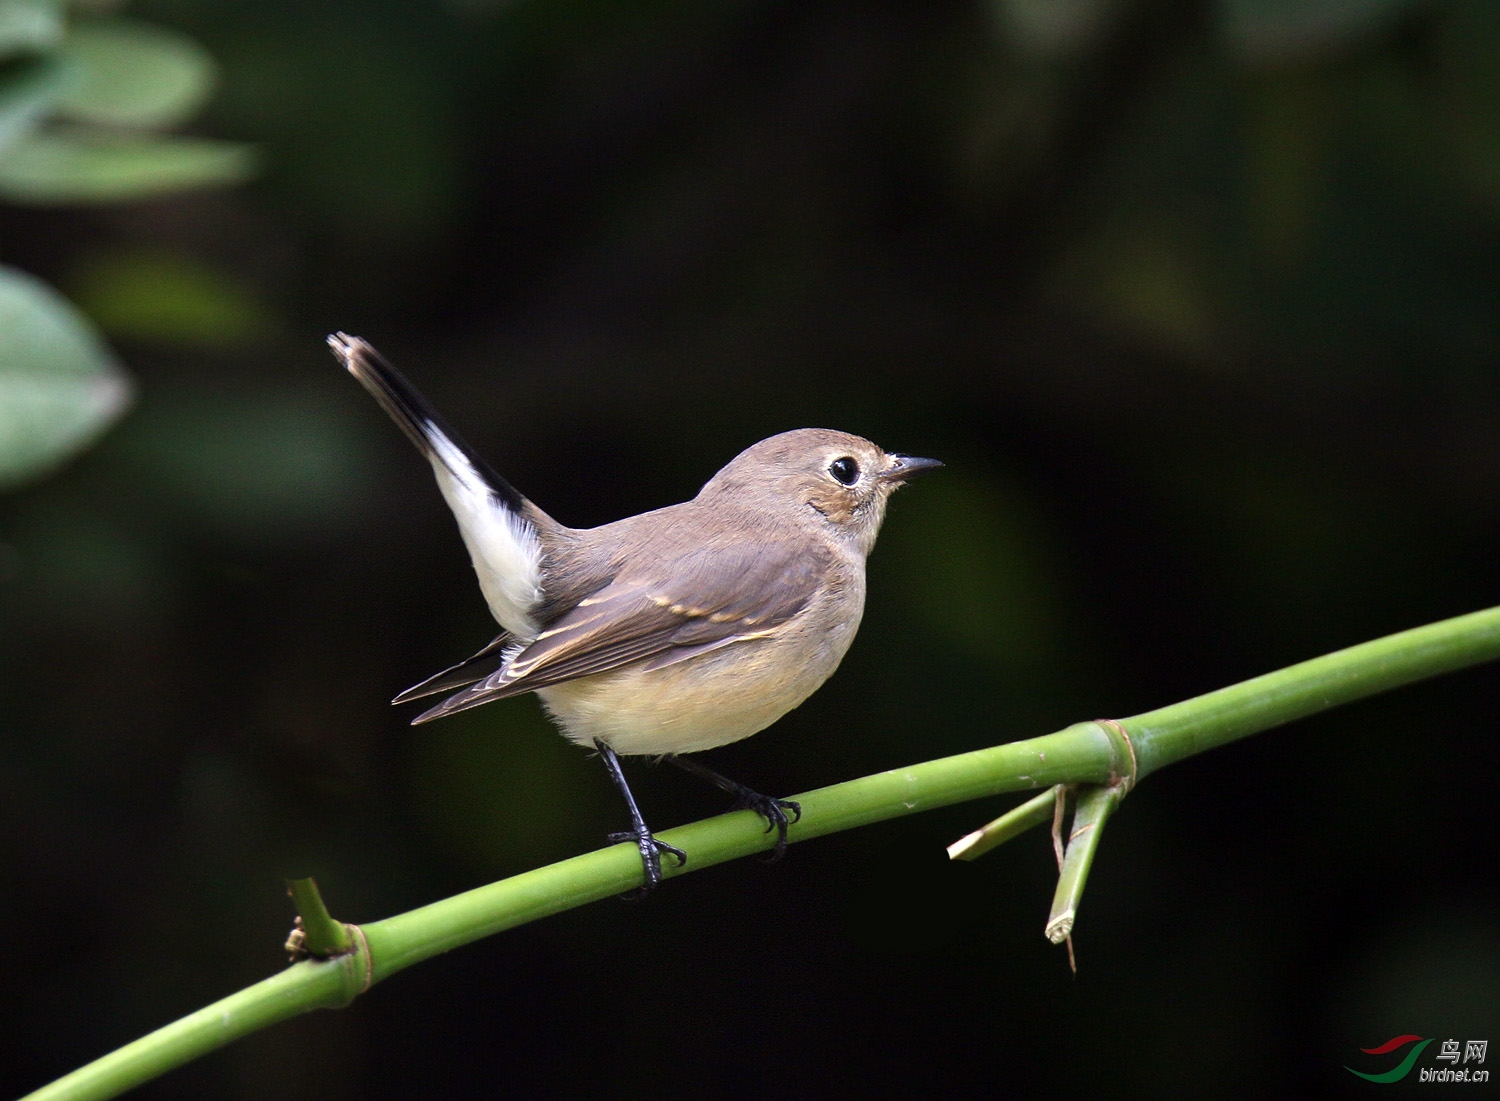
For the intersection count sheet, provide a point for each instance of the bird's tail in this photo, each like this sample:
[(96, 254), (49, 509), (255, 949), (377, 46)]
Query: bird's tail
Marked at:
[(415, 416), (498, 524)]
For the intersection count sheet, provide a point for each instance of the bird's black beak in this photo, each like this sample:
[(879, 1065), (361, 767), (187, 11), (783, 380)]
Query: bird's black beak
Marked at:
[(905, 467)]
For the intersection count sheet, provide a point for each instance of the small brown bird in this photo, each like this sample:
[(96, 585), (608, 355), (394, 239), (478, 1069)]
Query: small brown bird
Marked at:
[(669, 632)]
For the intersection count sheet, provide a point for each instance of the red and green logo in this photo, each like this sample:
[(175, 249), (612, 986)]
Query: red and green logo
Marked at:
[(1401, 1069)]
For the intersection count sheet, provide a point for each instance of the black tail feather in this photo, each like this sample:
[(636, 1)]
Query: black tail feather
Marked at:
[(412, 412)]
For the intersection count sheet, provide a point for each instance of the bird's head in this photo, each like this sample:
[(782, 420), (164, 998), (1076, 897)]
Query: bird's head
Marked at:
[(821, 477)]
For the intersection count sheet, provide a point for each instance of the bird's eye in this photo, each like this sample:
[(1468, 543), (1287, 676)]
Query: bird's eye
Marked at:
[(845, 470)]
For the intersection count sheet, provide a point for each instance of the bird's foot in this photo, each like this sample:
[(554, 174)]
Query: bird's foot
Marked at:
[(651, 853), (775, 812)]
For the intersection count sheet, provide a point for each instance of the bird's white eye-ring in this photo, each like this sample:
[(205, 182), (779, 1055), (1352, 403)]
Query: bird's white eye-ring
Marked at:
[(845, 470)]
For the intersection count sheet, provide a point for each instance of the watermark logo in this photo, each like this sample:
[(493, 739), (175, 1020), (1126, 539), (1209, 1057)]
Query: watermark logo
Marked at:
[(1401, 1069), (1472, 1052)]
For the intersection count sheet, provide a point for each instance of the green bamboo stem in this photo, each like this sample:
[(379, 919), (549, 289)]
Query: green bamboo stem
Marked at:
[(1012, 823), (1169, 734), (312, 984), (316, 934), (1095, 804), (1097, 753), (400, 941)]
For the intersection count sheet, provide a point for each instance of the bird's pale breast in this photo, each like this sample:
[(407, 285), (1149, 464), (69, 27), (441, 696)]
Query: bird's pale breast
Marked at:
[(712, 699)]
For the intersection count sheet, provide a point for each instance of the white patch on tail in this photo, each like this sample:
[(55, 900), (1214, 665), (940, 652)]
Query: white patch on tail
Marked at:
[(505, 549)]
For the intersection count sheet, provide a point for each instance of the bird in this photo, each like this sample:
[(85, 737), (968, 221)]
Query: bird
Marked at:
[(669, 632)]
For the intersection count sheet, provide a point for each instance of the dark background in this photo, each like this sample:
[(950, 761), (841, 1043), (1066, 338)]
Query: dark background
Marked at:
[(1197, 302)]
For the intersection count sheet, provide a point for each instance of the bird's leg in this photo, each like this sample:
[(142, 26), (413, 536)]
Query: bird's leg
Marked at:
[(651, 848), (774, 811)]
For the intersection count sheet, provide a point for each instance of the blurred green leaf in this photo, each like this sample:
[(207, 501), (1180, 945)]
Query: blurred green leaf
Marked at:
[(27, 89), (79, 164), (167, 298), (1276, 30), (29, 25), (134, 74), (59, 385)]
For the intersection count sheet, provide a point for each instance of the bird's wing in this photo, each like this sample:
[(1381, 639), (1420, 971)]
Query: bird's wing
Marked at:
[(716, 596), (464, 673), (497, 523)]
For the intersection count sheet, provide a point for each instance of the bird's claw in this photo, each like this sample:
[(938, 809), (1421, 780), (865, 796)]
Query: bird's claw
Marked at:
[(651, 849), (774, 811)]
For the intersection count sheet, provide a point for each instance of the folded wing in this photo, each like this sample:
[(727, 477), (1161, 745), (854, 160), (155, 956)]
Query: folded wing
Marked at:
[(466, 672), (718, 596)]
